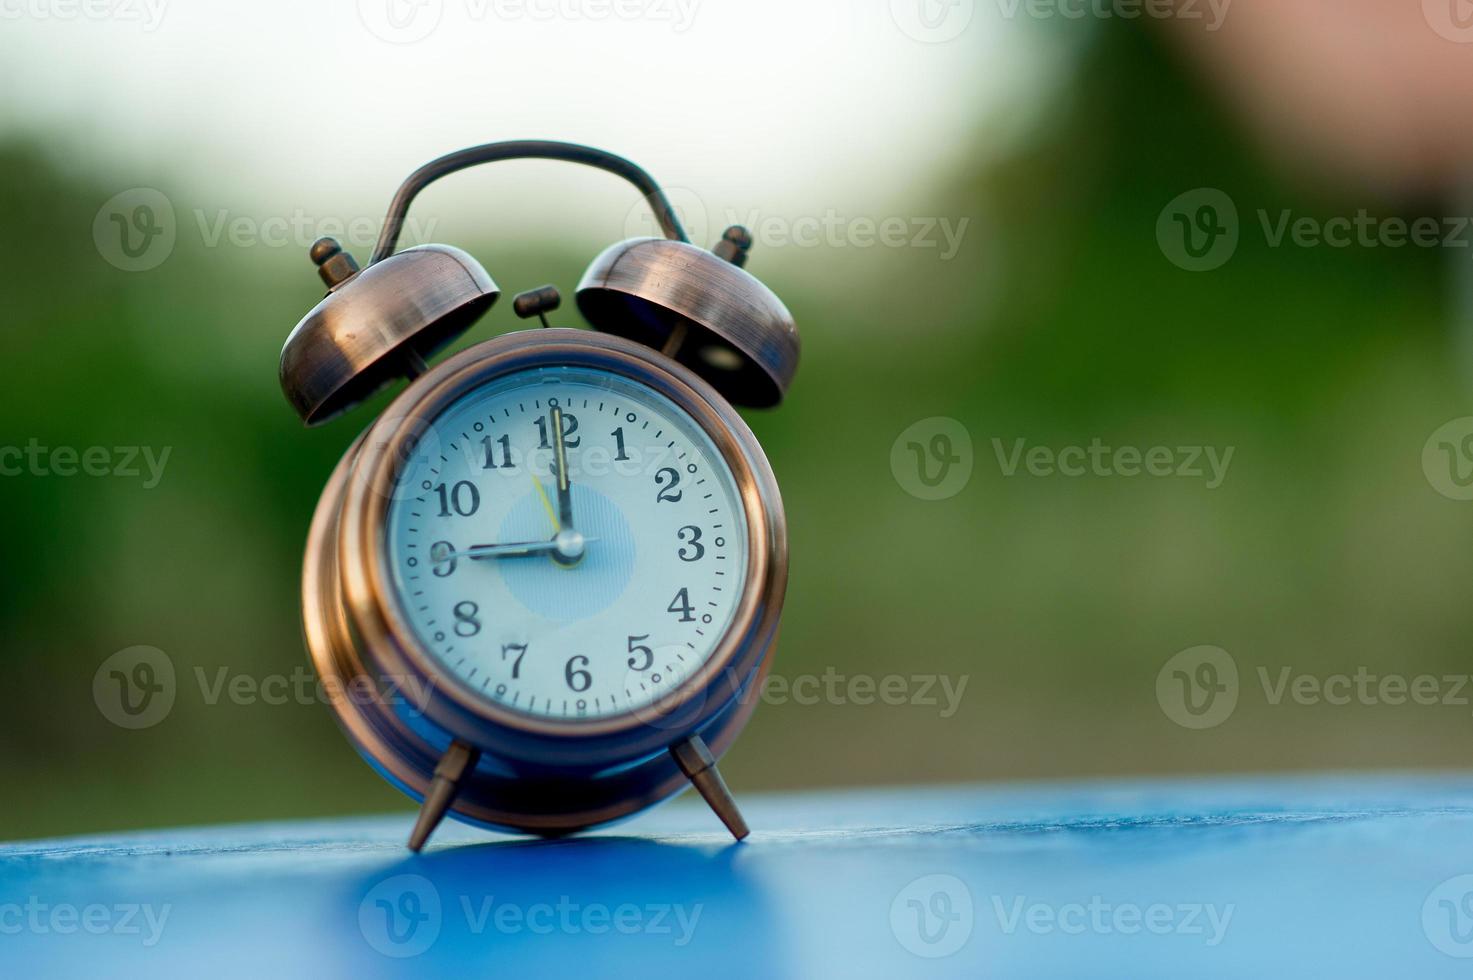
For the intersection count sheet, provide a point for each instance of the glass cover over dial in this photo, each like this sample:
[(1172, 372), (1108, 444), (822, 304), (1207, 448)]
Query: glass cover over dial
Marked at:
[(585, 590)]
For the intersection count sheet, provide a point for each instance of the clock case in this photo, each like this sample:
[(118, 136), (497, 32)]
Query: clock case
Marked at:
[(539, 775), (689, 323)]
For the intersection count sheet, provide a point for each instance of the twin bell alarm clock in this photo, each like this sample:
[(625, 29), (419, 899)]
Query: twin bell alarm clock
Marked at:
[(546, 581)]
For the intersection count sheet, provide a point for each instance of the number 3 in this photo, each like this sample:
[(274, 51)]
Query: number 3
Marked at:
[(696, 549)]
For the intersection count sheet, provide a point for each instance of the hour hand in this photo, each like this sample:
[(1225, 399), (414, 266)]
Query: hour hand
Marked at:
[(517, 549), (566, 544)]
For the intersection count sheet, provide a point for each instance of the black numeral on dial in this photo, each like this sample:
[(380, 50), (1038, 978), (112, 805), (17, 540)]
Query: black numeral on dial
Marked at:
[(570, 426), (681, 606), (489, 445), (463, 498), (578, 679), (667, 479), (642, 651), (441, 554), (692, 549), (520, 649), (467, 618)]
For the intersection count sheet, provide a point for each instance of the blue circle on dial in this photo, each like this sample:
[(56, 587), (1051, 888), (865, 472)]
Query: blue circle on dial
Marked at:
[(558, 592)]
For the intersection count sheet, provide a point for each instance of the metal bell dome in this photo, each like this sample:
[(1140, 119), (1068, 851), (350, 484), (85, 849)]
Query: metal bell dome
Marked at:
[(378, 324), (700, 307)]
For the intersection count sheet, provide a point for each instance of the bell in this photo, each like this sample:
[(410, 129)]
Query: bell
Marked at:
[(700, 308), (378, 324)]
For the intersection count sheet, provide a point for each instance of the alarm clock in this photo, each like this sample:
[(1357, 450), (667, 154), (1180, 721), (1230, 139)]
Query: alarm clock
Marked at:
[(542, 589)]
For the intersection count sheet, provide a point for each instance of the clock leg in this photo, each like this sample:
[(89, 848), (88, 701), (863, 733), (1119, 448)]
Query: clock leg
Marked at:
[(699, 766), (452, 767)]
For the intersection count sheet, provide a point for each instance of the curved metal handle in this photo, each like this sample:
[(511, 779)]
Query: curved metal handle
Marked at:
[(517, 150)]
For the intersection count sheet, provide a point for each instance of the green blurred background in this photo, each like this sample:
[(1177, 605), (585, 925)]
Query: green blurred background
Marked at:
[(1059, 321)]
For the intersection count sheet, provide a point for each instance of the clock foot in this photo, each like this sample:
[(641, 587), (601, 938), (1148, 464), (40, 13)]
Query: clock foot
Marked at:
[(452, 767), (699, 766)]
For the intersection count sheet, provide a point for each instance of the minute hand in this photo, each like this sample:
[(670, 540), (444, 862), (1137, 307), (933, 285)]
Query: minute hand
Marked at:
[(564, 486)]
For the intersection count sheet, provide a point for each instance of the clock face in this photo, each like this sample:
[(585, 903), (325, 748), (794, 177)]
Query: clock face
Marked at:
[(585, 598)]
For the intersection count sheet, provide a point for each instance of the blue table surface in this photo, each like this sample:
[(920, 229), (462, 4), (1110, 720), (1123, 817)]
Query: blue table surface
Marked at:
[(1343, 876)]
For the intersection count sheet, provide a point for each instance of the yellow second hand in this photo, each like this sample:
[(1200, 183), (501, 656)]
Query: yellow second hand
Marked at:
[(546, 503)]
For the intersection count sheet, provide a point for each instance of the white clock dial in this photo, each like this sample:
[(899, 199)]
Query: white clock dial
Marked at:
[(584, 604)]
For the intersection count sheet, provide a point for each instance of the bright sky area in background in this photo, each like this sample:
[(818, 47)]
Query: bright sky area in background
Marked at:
[(270, 105)]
